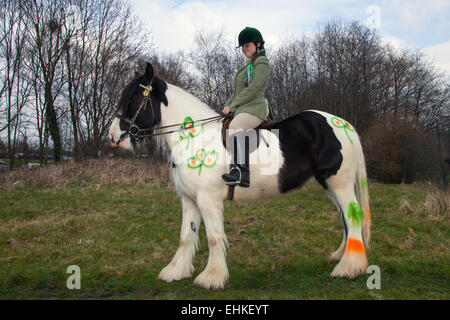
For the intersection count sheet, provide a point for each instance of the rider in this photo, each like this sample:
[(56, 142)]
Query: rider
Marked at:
[(247, 102)]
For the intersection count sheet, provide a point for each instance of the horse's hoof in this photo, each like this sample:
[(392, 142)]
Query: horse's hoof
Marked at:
[(213, 278), (171, 273), (351, 266)]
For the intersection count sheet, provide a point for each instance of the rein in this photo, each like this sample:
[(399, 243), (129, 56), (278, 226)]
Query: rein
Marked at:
[(211, 119), (139, 134)]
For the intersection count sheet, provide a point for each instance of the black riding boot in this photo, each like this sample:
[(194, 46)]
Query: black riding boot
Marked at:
[(240, 173)]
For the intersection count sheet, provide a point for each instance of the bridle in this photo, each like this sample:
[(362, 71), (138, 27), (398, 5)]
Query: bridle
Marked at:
[(139, 134), (133, 129)]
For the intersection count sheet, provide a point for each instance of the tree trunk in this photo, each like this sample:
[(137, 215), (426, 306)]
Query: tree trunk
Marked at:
[(52, 123), (441, 158)]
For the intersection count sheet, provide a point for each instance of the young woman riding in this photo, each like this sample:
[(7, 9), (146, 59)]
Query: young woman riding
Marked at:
[(247, 102)]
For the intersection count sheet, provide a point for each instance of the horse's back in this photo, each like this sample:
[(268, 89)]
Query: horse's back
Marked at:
[(327, 130), (310, 148)]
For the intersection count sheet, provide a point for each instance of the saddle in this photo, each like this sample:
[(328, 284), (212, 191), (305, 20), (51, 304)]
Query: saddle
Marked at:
[(266, 124)]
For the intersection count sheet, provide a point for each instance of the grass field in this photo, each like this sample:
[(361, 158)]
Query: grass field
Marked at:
[(122, 235)]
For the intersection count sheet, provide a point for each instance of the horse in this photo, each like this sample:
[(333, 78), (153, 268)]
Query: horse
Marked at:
[(311, 144)]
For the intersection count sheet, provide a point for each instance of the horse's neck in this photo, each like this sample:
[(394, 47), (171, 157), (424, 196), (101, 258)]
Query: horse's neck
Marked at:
[(182, 105)]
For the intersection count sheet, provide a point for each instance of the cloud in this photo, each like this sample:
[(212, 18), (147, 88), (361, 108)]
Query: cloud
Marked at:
[(404, 23), (394, 42), (441, 55), (416, 15), (174, 23)]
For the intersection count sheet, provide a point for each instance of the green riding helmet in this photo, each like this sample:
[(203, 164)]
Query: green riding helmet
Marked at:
[(250, 35)]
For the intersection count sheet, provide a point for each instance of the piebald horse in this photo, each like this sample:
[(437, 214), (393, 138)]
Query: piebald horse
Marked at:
[(309, 144)]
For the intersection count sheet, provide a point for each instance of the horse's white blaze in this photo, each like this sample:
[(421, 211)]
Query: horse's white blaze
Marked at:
[(114, 135)]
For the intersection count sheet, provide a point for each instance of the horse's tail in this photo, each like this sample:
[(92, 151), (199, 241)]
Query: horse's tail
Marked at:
[(362, 196)]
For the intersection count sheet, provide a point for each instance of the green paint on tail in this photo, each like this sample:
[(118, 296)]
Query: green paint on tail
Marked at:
[(364, 182), (355, 213)]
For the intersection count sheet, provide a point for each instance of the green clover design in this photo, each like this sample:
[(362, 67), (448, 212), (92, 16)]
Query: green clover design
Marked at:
[(192, 129), (340, 123), (202, 159)]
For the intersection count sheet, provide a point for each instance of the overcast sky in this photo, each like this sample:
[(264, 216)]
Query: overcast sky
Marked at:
[(423, 24)]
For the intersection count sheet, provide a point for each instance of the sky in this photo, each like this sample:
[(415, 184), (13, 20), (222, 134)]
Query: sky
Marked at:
[(411, 24)]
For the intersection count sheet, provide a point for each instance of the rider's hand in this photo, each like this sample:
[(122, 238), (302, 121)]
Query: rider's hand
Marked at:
[(226, 110)]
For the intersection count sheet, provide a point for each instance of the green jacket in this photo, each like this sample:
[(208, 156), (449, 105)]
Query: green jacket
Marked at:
[(251, 99)]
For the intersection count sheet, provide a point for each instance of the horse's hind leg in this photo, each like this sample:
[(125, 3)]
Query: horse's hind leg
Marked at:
[(353, 260), (181, 265), (336, 255)]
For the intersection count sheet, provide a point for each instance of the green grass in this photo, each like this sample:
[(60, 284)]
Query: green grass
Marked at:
[(121, 236)]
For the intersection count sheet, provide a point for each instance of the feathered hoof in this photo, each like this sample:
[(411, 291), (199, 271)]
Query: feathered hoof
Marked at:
[(212, 278), (337, 255), (351, 266), (171, 272)]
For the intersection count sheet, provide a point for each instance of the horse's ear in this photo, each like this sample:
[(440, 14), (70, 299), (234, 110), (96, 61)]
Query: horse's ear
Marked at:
[(148, 75)]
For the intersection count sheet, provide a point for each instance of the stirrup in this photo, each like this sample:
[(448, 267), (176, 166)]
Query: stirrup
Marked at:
[(234, 182)]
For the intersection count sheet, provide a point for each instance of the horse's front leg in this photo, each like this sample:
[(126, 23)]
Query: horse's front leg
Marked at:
[(181, 265), (215, 274)]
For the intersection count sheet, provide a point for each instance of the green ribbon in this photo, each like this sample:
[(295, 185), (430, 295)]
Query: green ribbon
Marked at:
[(250, 73)]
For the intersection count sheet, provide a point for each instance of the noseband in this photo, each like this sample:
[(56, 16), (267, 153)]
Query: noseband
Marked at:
[(139, 134)]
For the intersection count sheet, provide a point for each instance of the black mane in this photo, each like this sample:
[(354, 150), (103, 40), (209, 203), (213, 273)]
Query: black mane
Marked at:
[(159, 90), (132, 89)]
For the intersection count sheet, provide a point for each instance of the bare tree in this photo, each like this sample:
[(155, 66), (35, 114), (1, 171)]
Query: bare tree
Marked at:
[(15, 86), (38, 105), (172, 68), (76, 62), (346, 60), (290, 79), (49, 36), (116, 40), (214, 66)]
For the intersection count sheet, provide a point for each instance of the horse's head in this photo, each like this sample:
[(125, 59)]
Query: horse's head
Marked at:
[(139, 109)]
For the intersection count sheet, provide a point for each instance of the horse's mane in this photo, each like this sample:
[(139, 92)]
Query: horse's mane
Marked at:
[(190, 99), (159, 89), (128, 92)]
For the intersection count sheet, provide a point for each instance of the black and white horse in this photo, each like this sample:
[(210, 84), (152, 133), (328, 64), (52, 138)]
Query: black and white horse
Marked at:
[(309, 144)]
